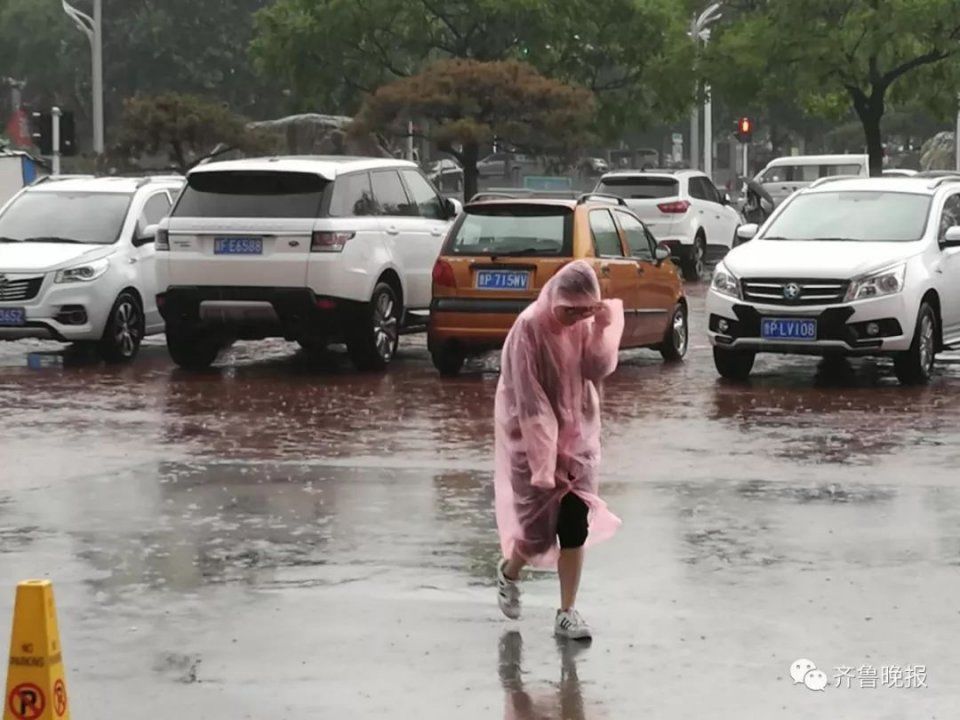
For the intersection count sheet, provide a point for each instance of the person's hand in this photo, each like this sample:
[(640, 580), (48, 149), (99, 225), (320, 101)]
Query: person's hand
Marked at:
[(603, 317)]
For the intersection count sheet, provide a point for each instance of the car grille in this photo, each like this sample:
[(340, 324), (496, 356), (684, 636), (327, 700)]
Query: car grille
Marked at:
[(13, 290), (777, 291)]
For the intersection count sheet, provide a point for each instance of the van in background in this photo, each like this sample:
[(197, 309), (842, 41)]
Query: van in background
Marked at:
[(785, 175)]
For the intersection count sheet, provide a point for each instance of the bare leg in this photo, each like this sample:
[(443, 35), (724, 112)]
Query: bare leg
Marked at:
[(569, 566), (514, 566)]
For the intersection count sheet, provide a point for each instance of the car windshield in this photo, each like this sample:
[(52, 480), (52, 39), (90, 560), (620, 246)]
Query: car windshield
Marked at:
[(241, 194), (531, 230), (65, 217), (865, 216), (633, 188)]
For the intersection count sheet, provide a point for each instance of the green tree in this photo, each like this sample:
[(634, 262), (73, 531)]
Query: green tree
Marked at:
[(464, 104), (185, 128), (330, 53), (832, 56)]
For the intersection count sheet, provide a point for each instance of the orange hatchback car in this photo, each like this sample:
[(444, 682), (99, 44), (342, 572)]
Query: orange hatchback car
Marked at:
[(500, 253)]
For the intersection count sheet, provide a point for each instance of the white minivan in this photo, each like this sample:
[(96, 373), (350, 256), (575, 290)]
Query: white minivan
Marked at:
[(783, 176)]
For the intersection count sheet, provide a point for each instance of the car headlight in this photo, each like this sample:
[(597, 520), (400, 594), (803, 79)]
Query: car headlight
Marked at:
[(725, 282), (885, 282), (83, 273)]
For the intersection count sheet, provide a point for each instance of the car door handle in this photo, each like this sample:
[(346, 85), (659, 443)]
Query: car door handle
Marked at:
[(392, 230), (604, 270), (640, 270), (436, 233), (132, 261)]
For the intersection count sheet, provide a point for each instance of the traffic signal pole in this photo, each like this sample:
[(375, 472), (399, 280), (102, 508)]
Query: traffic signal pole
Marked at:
[(55, 117), (746, 160)]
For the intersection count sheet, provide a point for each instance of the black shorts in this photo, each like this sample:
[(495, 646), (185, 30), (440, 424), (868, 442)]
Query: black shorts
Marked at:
[(572, 522)]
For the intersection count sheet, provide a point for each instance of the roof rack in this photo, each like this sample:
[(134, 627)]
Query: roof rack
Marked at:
[(55, 178), (832, 178), (601, 196), (943, 180)]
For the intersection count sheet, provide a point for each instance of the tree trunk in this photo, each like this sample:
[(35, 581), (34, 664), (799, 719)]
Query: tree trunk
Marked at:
[(471, 154), (870, 111)]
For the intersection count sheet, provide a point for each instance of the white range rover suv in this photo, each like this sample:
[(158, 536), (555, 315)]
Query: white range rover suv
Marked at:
[(683, 209), (847, 267), (77, 261), (312, 249)]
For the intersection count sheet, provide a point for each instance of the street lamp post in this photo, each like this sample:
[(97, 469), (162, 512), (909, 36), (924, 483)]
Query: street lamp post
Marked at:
[(92, 27), (699, 30)]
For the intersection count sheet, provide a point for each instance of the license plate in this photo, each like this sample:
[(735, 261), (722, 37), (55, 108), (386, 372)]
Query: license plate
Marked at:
[(13, 317), (502, 280), (788, 329), (237, 246)]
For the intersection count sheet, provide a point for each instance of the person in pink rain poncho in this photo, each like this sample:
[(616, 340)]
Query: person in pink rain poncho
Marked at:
[(547, 415)]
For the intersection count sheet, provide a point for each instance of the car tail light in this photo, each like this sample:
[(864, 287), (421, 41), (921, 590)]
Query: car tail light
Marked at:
[(678, 207), (162, 240), (330, 241), (443, 274), (326, 304)]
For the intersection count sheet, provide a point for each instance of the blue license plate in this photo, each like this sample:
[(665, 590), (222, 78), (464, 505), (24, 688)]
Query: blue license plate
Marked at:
[(788, 329), (238, 246), (12, 317), (502, 279)]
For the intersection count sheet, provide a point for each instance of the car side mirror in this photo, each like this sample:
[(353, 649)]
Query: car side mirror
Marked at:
[(747, 232), (145, 236), (952, 238), (662, 254), (725, 199), (454, 207)]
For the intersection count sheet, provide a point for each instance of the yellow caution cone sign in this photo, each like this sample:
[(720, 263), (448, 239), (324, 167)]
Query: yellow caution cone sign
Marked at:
[(36, 689)]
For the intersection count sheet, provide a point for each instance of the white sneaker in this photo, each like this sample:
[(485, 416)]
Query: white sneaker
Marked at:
[(508, 593), (570, 625)]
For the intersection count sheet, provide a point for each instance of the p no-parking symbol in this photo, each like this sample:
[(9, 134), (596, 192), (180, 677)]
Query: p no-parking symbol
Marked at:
[(27, 702)]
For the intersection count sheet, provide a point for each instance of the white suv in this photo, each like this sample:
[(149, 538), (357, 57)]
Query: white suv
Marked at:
[(77, 261), (312, 249), (846, 267), (684, 211)]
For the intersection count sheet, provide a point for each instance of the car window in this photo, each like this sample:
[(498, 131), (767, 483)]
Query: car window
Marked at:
[(424, 197), (155, 209), (251, 194), (80, 217), (389, 193), (713, 195), (653, 242), (636, 236), (638, 187), (516, 229), (950, 216), (848, 215), (793, 173), (606, 239), (352, 196), (832, 170), (697, 189)]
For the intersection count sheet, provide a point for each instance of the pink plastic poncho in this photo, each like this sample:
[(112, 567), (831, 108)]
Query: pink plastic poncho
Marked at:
[(547, 415)]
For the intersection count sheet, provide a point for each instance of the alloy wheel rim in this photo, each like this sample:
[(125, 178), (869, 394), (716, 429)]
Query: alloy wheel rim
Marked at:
[(127, 326), (385, 330), (680, 332), (926, 344)]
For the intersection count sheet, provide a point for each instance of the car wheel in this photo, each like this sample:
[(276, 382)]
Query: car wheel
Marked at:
[(373, 336), (692, 264), (915, 366), (124, 331), (449, 359), (733, 364), (192, 348), (677, 339)]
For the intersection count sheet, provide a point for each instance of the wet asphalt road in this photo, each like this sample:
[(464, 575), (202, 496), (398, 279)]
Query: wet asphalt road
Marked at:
[(285, 538)]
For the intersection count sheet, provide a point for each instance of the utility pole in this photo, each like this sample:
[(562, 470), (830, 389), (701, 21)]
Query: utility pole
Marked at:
[(92, 27), (956, 134)]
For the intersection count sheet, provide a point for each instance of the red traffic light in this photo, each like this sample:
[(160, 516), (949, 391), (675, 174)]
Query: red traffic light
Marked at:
[(744, 129)]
